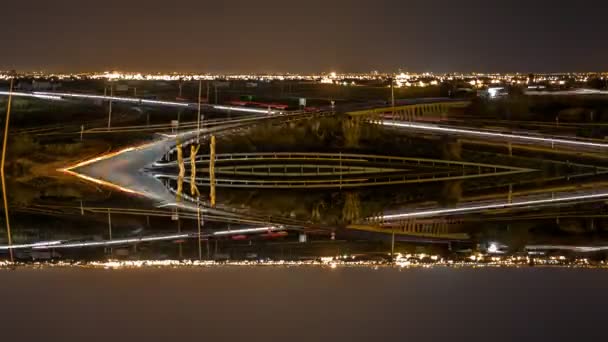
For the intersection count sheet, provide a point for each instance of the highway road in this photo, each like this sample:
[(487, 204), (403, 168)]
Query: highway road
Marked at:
[(123, 170), (56, 96), (63, 244)]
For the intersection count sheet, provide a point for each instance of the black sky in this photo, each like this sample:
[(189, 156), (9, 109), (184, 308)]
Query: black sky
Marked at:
[(304, 36)]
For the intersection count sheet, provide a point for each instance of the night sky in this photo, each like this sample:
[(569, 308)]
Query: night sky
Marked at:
[(304, 304), (304, 36)]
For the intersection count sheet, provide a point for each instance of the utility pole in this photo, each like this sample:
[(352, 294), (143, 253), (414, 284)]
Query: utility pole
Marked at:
[(212, 170), (6, 216), (110, 107), (393, 244), (198, 137), (179, 245), (110, 229), (198, 117), (110, 224), (198, 215), (393, 97)]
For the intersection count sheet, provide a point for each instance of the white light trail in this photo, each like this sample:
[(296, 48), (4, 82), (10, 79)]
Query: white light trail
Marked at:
[(38, 96), (247, 231), (247, 110), (64, 244), (114, 98), (583, 91), (581, 249), (452, 130), (30, 245), (135, 100), (113, 242), (503, 205)]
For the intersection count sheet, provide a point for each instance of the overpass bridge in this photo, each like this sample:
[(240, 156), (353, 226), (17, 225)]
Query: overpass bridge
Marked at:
[(294, 170), (437, 229), (312, 171), (412, 109), (410, 112)]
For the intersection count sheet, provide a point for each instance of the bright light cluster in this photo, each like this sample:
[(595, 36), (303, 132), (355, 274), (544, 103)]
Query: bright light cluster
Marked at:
[(420, 260), (401, 79)]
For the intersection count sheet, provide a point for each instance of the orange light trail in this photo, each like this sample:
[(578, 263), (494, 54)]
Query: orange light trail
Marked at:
[(97, 159), (69, 169), (101, 182)]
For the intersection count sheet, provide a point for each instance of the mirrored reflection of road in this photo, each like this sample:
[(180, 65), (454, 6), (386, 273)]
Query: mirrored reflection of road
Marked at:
[(358, 203)]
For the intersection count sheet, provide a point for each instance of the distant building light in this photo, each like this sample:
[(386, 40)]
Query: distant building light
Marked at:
[(495, 91)]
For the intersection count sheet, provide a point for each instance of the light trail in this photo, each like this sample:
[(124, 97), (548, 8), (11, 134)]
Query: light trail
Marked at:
[(579, 249), (435, 212), (247, 231), (583, 91), (65, 244), (134, 100), (113, 98), (247, 110), (30, 245), (113, 242), (452, 130), (34, 95), (102, 182), (102, 157), (69, 169)]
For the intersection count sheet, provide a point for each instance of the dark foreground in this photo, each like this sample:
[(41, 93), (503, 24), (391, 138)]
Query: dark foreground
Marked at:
[(303, 304)]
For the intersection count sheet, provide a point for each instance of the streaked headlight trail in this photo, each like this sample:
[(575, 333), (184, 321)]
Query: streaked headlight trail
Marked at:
[(468, 131), (502, 205)]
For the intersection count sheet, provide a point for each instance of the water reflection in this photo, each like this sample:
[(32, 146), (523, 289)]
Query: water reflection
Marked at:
[(314, 188)]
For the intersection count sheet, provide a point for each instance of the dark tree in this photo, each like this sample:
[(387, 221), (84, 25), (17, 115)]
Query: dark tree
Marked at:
[(597, 83)]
